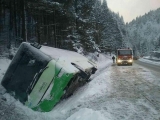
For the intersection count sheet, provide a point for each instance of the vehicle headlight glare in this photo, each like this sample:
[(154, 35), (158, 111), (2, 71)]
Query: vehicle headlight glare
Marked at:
[(119, 60), (130, 60)]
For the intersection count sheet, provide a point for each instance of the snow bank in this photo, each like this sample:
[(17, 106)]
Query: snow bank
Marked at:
[(103, 61), (87, 114), (4, 63), (98, 84), (97, 87), (149, 61)]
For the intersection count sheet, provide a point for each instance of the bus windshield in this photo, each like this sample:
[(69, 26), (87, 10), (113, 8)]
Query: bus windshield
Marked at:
[(124, 52)]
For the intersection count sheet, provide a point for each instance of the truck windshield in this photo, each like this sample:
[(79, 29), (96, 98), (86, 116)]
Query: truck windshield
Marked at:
[(124, 52)]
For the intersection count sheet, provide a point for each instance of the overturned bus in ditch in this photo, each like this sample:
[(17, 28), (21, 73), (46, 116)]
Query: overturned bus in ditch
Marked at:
[(40, 76), (124, 56)]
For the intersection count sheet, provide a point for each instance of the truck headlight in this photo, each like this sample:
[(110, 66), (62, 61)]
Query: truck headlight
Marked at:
[(119, 60), (130, 60)]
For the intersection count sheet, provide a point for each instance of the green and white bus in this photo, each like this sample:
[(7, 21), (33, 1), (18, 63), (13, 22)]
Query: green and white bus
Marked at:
[(40, 76)]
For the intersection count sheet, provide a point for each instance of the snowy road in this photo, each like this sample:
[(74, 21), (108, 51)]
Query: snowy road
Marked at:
[(137, 90), (133, 94), (115, 93), (150, 66)]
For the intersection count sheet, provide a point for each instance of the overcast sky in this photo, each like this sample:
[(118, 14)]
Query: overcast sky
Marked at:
[(130, 9)]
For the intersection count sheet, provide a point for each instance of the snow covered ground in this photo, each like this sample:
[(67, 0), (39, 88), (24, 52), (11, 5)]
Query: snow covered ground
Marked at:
[(146, 59), (115, 93)]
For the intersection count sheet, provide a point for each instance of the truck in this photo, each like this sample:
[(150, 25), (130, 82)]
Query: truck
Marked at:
[(41, 76), (124, 56)]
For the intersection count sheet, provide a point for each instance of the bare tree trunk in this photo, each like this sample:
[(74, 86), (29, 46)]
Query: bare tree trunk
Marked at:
[(38, 29), (15, 21), (38, 33), (10, 25), (55, 41), (23, 20)]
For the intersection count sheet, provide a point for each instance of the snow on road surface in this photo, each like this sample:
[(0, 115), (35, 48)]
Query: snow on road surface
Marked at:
[(86, 114), (114, 93), (146, 59)]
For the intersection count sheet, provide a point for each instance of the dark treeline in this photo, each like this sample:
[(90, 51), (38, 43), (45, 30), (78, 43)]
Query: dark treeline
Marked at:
[(70, 24)]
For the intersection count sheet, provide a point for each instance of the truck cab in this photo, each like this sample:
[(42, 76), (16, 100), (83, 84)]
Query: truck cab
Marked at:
[(124, 56)]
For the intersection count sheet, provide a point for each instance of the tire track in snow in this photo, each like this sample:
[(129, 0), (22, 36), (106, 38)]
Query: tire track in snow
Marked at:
[(153, 88)]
